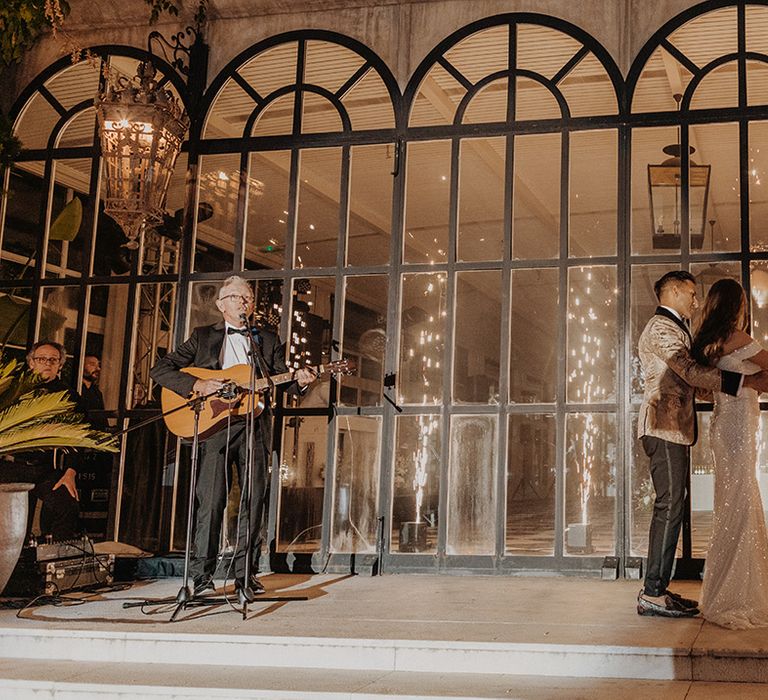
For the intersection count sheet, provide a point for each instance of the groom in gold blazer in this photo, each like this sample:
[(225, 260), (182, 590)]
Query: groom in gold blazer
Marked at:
[(667, 428)]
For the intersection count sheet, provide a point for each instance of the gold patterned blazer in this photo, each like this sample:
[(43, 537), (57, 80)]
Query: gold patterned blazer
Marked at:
[(671, 377)]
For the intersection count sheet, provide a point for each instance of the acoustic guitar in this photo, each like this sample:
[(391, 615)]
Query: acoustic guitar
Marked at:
[(235, 399)]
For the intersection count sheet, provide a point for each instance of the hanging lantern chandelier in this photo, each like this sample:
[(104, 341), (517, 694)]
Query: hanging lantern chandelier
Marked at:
[(142, 126)]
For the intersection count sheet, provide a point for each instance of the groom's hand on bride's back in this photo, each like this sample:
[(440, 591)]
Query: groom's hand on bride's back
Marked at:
[(758, 382)]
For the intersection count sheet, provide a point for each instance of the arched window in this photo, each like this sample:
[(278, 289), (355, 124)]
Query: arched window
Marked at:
[(699, 154), (66, 274), (297, 162), (510, 242)]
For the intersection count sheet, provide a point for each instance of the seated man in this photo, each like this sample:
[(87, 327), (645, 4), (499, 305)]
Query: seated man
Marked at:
[(54, 486)]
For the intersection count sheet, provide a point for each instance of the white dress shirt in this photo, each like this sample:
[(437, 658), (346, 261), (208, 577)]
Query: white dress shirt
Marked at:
[(235, 349)]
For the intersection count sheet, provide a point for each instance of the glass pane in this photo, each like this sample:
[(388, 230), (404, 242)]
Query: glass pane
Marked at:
[(368, 104), (472, 485), (154, 324), (481, 199), (317, 226), (79, 131), (533, 341), (438, 97), (160, 246), (478, 315), (653, 229), (74, 84), (714, 215), (365, 339), (702, 489), (24, 220), (36, 123), (276, 118), (643, 303), (354, 525), (593, 185), (592, 335), (720, 88), (329, 65), (758, 186), (319, 115), (71, 218), (427, 199), (757, 83), (482, 53), (531, 467), (229, 113), (543, 50), (302, 483), (654, 90), (422, 338), (271, 69), (757, 20), (219, 192), (266, 221), (536, 204), (58, 321), (416, 488), (590, 483), (708, 36), (105, 338), (309, 340), (600, 98), (488, 105), (370, 204), (758, 280), (534, 101)]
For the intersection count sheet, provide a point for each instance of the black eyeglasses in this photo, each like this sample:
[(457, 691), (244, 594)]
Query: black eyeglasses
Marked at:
[(46, 360), (239, 297)]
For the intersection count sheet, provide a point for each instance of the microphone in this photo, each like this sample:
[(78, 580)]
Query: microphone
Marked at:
[(254, 330)]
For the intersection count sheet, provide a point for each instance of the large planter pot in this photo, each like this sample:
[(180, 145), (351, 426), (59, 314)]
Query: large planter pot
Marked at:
[(14, 504)]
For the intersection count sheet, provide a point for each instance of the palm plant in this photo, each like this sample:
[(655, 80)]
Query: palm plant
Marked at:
[(31, 420)]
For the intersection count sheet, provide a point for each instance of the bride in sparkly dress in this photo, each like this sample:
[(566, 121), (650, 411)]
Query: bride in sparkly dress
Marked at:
[(735, 590)]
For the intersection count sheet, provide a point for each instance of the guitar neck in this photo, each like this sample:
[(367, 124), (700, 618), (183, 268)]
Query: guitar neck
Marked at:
[(285, 377)]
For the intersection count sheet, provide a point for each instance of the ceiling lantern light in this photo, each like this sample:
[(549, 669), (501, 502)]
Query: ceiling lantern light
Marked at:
[(141, 126)]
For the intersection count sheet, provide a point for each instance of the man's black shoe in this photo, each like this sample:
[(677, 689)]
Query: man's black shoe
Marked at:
[(685, 602), (254, 588), (201, 584), (669, 608)]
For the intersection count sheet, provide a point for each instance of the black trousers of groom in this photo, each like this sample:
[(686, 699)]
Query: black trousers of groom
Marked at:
[(214, 474), (669, 469)]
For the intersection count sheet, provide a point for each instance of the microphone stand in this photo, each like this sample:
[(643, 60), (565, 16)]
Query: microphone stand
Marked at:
[(246, 594)]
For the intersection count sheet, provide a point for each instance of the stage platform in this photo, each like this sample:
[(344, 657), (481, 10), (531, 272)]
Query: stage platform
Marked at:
[(401, 636)]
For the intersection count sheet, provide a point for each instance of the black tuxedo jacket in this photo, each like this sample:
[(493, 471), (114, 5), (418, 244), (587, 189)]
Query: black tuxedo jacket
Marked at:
[(203, 349)]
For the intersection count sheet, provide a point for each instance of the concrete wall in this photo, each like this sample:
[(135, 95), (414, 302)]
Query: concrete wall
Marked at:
[(401, 32)]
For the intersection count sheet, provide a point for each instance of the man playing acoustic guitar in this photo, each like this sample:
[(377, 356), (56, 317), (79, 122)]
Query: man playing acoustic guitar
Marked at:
[(223, 345)]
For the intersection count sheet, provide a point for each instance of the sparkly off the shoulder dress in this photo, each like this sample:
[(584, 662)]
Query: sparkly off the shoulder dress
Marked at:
[(735, 590)]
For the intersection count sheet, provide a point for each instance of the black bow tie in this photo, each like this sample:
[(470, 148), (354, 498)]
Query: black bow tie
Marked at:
[(239, 331)]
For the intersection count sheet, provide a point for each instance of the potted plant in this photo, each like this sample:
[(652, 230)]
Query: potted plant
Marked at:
[(33, 421)]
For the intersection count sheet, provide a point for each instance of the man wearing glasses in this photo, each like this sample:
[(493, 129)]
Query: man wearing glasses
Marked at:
[(220, 346), (54, 486)]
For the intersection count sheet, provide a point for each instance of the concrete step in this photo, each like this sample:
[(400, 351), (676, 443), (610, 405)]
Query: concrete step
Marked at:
[(21, 679), (386, 655)]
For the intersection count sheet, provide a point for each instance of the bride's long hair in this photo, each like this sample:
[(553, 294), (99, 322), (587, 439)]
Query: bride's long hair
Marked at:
[(725, 311)]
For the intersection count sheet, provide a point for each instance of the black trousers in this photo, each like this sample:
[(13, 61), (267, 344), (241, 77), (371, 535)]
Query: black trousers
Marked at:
[(669, 469), (59, 512), (214, 473)]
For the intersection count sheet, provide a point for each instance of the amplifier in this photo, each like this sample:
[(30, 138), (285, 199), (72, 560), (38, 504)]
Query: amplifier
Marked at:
[(63, 549), (49, 577)]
